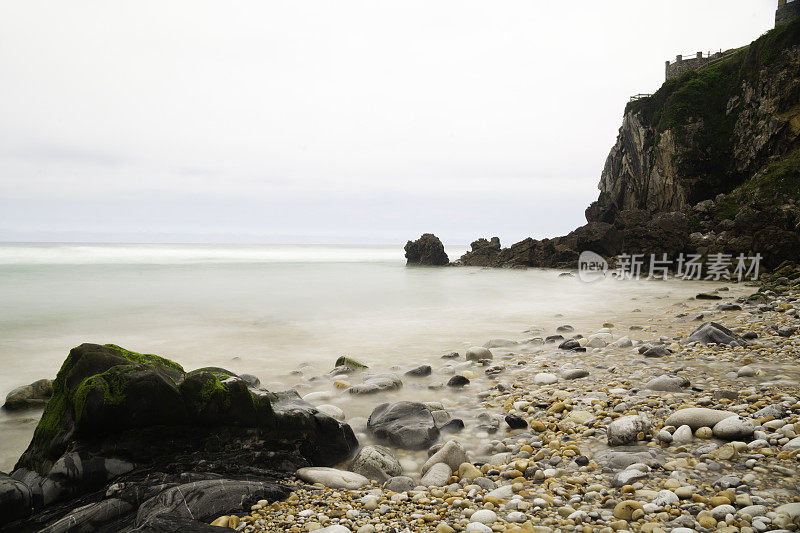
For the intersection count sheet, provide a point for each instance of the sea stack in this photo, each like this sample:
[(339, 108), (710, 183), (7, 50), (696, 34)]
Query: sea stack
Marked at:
[(427, 250)]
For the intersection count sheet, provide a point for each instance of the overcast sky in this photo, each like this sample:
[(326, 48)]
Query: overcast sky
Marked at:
[(326, 121)]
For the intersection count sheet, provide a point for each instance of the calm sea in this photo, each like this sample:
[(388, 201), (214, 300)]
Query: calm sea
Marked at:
[(267, 309)]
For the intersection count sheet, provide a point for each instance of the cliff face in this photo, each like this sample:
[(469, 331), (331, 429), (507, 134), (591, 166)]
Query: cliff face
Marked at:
[(705, 133), (709, 163)]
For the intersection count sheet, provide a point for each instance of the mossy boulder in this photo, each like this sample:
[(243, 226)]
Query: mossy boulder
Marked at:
[(116, 413), (351, 364)]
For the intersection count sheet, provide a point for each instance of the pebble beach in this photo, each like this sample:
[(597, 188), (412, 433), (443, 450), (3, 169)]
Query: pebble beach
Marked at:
[(625, 427)]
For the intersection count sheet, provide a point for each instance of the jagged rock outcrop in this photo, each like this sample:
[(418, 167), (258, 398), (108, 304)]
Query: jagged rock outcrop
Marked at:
[(122, 429), (427, 250), (708, 164)]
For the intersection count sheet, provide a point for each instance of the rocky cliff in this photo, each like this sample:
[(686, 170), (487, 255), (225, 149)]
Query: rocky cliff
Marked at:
[(709, 163)]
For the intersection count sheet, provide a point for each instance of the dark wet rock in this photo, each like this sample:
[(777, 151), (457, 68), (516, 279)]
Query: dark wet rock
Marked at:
[(566, 328), (750, 335), (408, 425), (451, 355), (119, 425), (250, 379), (657, 351), (729, 307), (427, 250), (711, 332), (377, 383), (453, 426), (516, 422), (34, 395), (667, 383), (457, 381), (569, 344), (786, 331), (708, 296), (554, 338), (420, 371), (204, 500)]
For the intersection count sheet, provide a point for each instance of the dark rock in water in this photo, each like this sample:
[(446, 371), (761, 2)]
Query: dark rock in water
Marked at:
[(34, 395), (451, 355), (453, 426), (657, 351), (750, 335), (120, 424), (377, 383), (553, 338), (408, 425), (482, 252), (786, 331), (349, 363), (711, 332), (708, 296), (566, 328), (427, 250), (729, 307), (250, 379), (582, 460), (516, 422), (457, 381), (420, 371), (569, 344)]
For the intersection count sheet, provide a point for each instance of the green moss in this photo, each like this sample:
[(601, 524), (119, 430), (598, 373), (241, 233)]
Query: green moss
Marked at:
[(145, 359), (695, 108), (212, 389), (113, 384), (780, 181), (350, 363)]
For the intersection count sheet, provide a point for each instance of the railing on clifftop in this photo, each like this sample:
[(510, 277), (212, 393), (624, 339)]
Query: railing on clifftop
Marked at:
[(639, 96)]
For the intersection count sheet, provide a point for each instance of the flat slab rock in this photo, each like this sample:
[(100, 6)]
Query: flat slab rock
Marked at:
[(332, 477)]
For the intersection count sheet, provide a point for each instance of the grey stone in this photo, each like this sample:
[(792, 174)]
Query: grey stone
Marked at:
[(627, 477), (399, 484), (437, 475), (734, 428), (697, 417), (657, 351), (452, 453), (477, 353), (667, 383), (499, 343), (711, 332), (27, 396), (377, 383), (376, 462), (420, 371), (16, 499), (332, 477), (624, 429), (574, 373), (403, 424)]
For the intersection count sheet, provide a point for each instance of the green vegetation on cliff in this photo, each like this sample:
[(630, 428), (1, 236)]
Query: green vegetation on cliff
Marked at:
[(696, 108)]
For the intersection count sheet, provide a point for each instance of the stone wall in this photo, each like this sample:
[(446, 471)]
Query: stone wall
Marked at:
[(675, 68), (787, 13)]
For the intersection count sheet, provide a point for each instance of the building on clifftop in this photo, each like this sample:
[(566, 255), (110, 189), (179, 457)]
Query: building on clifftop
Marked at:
[(787, 11)]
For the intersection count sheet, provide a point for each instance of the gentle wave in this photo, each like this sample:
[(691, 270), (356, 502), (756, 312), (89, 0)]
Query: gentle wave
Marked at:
[(82, 254)]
